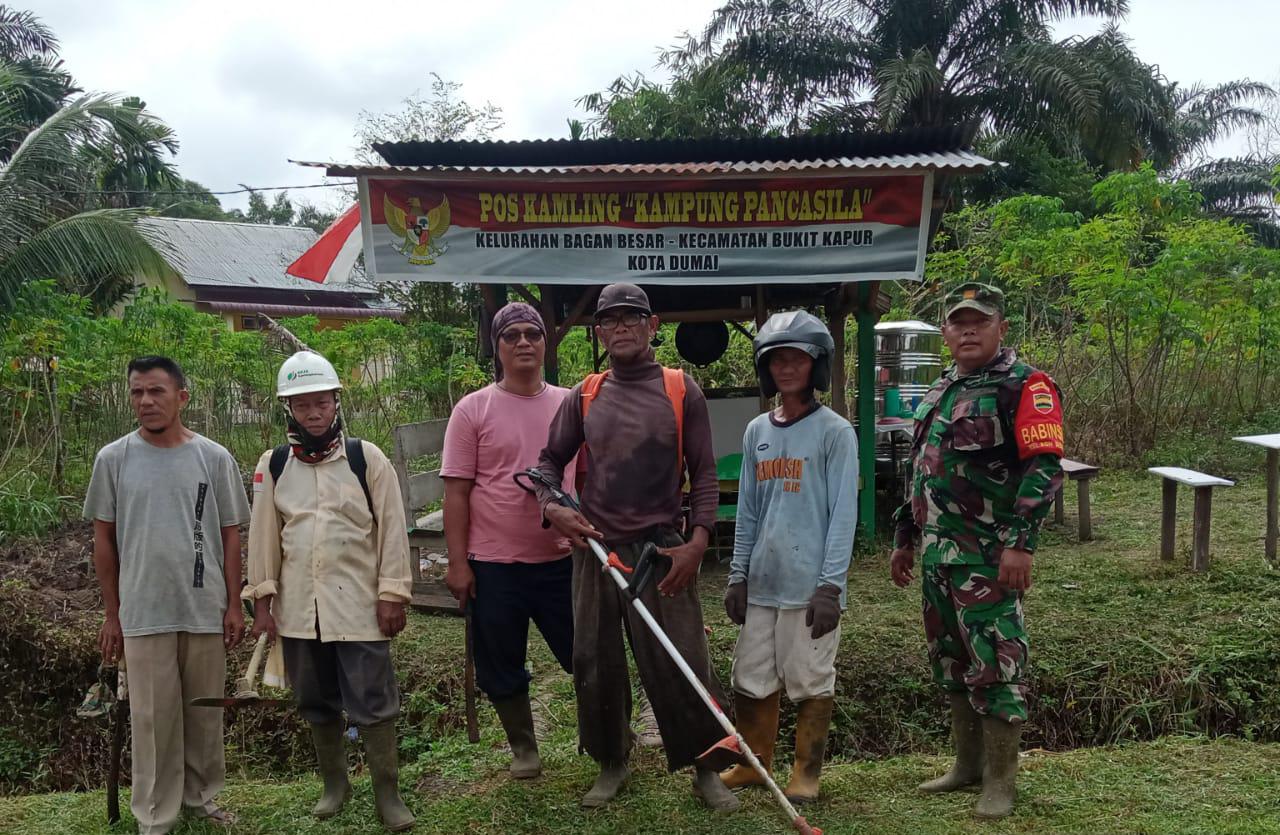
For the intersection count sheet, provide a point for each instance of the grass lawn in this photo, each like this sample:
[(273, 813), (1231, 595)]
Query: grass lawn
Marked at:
[(1173, 785)]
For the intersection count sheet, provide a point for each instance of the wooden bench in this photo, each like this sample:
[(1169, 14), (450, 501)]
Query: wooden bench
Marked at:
[(1203, 484), (419, 490), (1081, 474), (1271, 443)]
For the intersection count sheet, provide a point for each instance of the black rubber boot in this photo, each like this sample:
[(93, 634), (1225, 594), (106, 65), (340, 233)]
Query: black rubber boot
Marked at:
[(966, 734), (1000, 740), (606, 786), (384, 767), (517, 720), (331, 754)]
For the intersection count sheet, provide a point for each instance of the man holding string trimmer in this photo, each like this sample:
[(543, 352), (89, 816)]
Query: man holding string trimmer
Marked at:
[(640, 426)]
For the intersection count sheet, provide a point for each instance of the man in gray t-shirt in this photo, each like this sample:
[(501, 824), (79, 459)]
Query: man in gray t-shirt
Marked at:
[(166, 505)]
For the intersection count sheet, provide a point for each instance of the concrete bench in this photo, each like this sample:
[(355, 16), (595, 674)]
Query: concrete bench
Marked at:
[(1203, 484), (1081, 474)]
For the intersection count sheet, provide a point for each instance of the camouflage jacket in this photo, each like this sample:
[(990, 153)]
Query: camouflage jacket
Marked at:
[(985, 463)]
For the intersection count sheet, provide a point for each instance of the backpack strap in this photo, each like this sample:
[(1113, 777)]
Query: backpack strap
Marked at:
[(279, 457), (359, 466), (590, 388), (673, 383), (355, 460)]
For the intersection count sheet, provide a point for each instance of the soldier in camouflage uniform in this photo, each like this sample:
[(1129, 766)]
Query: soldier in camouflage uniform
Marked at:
[(985, 458)]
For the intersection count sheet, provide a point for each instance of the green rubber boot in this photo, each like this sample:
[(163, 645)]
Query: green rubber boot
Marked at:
[(1000, 740), (966, 734), (517, 720), (331, 754), (384, 767)]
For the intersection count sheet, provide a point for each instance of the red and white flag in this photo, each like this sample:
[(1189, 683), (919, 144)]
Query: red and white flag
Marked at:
[(331, 257)]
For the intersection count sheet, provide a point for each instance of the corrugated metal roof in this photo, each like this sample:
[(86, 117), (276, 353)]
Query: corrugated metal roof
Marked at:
[(712, 149), (220, 254), (952, 161), (306, 310)]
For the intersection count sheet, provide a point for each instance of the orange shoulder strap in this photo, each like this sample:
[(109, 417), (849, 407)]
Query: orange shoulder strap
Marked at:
[(590, 388), (673, 382)]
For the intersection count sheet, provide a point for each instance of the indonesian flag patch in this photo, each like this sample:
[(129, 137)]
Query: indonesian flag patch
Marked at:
[(257, 482), (1038, 424)]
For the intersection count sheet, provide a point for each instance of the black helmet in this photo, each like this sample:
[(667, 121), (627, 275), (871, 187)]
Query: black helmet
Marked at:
[(795, 329)]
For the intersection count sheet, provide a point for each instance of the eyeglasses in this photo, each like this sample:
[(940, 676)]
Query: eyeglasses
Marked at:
[(513, 337), (627, 320)]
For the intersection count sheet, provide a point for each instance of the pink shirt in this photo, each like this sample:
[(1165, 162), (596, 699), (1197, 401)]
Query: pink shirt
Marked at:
[(492, 435)]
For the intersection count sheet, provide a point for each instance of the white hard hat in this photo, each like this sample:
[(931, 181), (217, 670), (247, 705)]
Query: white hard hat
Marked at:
[(305, 373)]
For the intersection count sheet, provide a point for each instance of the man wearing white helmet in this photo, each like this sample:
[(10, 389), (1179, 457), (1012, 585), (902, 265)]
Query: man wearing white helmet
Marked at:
[(329, 574), (797, 507)]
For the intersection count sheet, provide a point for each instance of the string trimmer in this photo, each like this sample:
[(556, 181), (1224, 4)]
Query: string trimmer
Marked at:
[(616, 569)]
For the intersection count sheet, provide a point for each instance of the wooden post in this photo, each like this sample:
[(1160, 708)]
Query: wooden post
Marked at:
[(1273, 505), (546, 306), (866, 319), (1058, 516), (762, 314), (1082, 503), (837, 315), (1200, 537), (1168, 518)]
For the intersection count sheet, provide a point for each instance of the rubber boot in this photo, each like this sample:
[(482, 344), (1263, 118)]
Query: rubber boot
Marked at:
[(384, 768), (813, 721), (517, 720), (966, 734), (711, 790), (331, 754), (758, 724), (1000, 739), (606, 786)]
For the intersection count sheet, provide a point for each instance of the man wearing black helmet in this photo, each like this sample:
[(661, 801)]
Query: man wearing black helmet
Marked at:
[(797, 508)]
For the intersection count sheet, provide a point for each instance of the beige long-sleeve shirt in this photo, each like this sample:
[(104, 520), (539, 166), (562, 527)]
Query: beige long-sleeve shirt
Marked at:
[(314, 545)]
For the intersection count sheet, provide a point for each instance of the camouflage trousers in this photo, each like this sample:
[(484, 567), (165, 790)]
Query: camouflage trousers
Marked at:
[(977, 639)]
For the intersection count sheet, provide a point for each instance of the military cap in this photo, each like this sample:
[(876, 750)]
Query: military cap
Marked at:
[(975, 295)]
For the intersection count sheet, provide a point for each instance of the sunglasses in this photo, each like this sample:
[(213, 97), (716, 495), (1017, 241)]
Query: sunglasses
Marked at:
[(512, 337)]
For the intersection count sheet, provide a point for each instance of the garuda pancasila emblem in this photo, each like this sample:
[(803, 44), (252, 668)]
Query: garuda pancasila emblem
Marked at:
[(418, 232)]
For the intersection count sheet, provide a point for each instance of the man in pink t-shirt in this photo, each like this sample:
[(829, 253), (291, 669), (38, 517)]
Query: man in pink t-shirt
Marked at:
[(503, 563)]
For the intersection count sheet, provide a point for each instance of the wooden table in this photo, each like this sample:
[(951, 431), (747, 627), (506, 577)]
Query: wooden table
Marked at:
[(1271, 443), (1203, 483), (1081, 474)]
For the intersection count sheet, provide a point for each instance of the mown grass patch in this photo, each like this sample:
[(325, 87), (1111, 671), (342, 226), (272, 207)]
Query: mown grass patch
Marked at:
[(1174, 785)]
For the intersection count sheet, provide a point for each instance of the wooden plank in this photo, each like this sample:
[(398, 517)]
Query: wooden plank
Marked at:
[(1082, 503), (1200, 535), (1058, 516), (1168, 519), (428, 598), (416, 439), (425, 488), (1268, 441), (1273, 504), (1078, 469), (1191, 478)]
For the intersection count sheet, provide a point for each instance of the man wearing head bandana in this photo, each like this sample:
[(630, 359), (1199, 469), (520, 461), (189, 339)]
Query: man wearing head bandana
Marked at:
[(504, 568), (329, 574)]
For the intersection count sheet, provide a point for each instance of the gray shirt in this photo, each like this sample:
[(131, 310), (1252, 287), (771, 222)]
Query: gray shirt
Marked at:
[(169, 505)]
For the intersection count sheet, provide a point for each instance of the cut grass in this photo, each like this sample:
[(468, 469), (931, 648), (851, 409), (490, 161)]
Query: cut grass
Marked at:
[(1174, 785)]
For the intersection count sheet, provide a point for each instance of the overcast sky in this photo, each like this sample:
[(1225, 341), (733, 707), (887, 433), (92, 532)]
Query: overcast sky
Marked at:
[(250, 85)]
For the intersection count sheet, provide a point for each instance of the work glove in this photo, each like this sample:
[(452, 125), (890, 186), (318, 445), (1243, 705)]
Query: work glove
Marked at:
[(823, 613), (735, 602)]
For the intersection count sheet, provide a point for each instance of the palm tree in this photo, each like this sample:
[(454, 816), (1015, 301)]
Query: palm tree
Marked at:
[(53, 169), (895, 64), (45, 230)]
